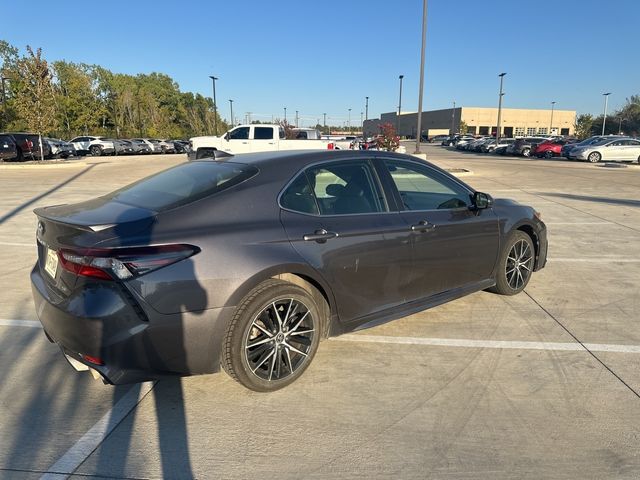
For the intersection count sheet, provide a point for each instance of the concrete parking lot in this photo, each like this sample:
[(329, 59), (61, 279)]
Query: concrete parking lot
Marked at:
[(545, 384)]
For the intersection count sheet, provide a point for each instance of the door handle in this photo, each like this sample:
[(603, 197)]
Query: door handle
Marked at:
[(423, 226), (319, 236)]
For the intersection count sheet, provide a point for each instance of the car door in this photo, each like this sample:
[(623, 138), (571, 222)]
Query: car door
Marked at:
[(338, 220), (263, 140), (454, 244), (613, 151), (237, 141), (629, 150)]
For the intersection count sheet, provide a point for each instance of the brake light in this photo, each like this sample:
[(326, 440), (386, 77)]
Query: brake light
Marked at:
[(122, 263), (331, 146)]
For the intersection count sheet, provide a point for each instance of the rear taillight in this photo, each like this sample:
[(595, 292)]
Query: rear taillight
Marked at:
[(331, 146), (122, 263)]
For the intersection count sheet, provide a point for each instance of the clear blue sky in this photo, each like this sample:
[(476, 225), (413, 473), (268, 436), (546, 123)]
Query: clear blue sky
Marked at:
[(327, 56)]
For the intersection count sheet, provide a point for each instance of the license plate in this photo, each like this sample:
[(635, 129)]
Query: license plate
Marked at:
[(51, 265)]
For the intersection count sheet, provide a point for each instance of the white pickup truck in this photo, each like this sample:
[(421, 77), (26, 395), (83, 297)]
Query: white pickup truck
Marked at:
[(252, 138)]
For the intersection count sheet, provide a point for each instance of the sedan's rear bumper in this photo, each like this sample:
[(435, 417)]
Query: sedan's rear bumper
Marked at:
[(135, 343)]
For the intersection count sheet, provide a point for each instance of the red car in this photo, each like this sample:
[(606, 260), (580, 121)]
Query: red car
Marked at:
[(550, 148)]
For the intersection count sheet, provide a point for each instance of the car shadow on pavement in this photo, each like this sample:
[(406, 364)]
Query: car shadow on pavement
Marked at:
[(587, 198), (35, 199)]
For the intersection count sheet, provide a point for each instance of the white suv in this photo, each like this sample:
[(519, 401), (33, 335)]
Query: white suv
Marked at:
[(96, 146)]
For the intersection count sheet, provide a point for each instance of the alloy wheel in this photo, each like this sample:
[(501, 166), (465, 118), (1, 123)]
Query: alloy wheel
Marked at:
[(594, 157), (519, 264), (279, 339)]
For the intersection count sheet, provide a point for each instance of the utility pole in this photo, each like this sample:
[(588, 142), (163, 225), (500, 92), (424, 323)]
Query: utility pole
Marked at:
[(285, 114), (366, 108), (399, 107), (453, 119), (422, 51), (215, 108), (297, 118), (349, 122), (231, 106), (606, 102), (499, 107), (553, 104), (324, 120)]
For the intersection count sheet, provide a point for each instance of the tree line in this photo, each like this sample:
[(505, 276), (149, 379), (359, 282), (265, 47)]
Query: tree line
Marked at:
[(65, 99), (626, 120)]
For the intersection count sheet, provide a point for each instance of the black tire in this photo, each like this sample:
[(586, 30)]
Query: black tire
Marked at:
[(548, 154), (516, 264), (95, 150), (594, 157), (269, 317)]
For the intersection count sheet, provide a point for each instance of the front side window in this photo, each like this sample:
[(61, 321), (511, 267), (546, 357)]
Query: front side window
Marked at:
[(421, 188), (263, 133), (240, 133)]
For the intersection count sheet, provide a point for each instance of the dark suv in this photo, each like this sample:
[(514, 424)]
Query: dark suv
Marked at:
[(8, 148), (524, 146), (28, 146)]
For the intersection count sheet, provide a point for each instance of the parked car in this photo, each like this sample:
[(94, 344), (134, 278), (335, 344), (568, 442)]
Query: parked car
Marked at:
[(524, 146), (609, 149), (166, 287), (8, 148), (28, 145), (566, 149), (154, 146), (462, 143), (140, 147), (96, 146), (60, 148), (165, 145), (438, 138), (453, 140), (123, 147), (551, 148), (503, 143), (181, 146)]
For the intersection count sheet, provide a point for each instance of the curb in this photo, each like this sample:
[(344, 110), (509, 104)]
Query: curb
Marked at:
[(28, 165)]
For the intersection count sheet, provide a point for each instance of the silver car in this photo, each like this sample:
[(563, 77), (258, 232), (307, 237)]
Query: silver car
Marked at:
[(610, 149)]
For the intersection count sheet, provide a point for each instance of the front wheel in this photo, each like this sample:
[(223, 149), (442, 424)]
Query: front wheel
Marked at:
[(516, 264), (272, 337), (594, 157), (548, 154), (95, 150), (526, 152)]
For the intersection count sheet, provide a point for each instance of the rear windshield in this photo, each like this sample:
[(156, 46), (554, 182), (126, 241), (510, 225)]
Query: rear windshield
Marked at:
[(183, 184)]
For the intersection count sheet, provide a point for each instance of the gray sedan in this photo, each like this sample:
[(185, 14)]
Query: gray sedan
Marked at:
[(247, 263)]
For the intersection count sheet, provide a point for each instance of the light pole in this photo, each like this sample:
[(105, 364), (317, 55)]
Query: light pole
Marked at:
[(499, 107), (553, 104), (296, 118), (324, 120), (231, 106), (399, 106), (349, 121), (366, 108), (424, 44), (453, 118), (215, 107), (4, 102), (285, 114), (606, 102)]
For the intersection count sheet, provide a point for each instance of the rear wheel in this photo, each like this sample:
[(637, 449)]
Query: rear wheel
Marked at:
[(594, 157), (526, 152), (516, 264), (548, 154), (95, 150), (272, 337)]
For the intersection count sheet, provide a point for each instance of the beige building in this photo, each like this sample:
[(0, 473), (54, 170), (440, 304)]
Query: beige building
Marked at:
[(515, 122)]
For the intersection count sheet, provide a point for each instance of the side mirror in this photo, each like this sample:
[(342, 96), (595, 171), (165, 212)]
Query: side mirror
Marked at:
[(482, 200)]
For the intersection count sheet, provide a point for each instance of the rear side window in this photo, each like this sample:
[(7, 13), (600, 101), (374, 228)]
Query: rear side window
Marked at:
[(299, 196), (183, 184), (263, 133)]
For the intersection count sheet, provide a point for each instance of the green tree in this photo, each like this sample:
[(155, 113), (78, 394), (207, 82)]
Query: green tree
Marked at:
[(584, 125), (34, 98)]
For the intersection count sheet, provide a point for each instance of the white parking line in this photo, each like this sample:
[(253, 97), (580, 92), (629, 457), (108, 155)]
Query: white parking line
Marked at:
[(578, 223), (19, 323), (15, 244), (499, 344), (595, 260), (83, 448)]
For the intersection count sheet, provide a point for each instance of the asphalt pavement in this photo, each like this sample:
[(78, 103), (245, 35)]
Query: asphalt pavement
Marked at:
[(545, 384)]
